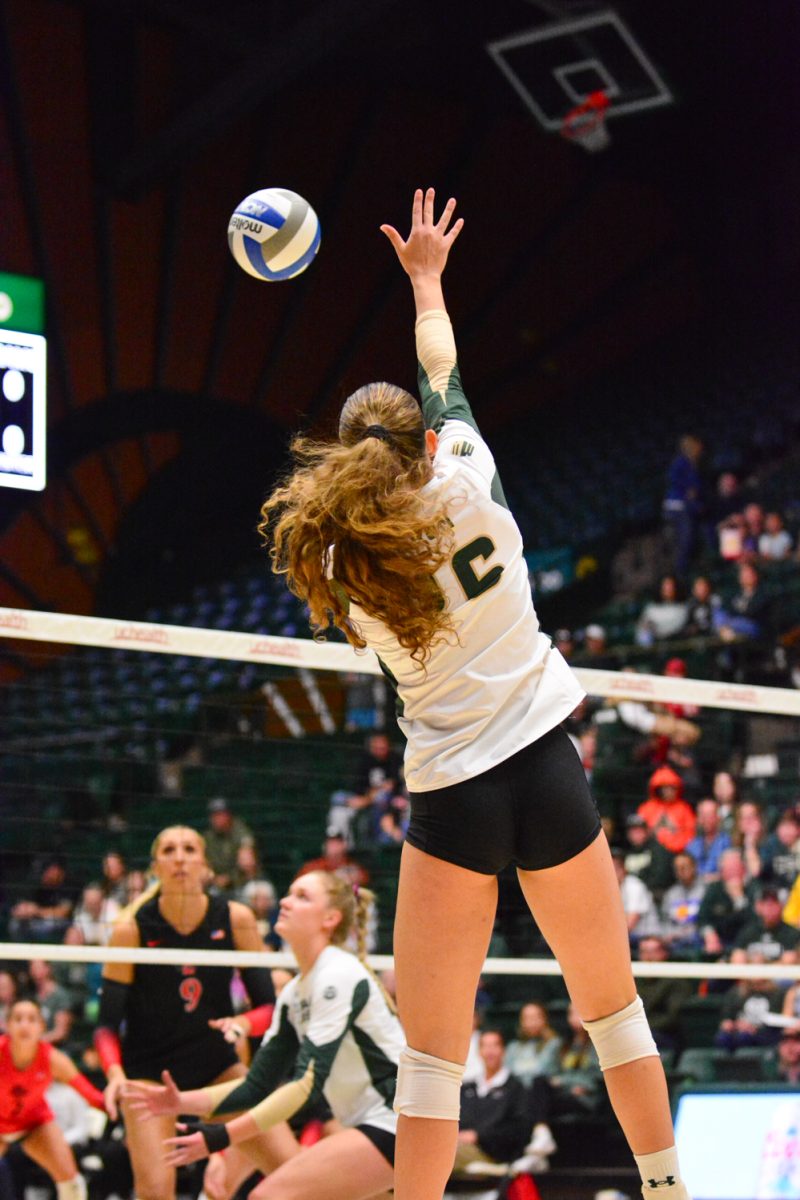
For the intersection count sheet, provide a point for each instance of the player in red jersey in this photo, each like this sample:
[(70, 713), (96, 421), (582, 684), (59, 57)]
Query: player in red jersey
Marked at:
[(28, 1066)]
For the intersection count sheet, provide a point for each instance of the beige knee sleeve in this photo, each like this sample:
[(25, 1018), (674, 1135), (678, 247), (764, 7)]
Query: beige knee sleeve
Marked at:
[(623, 1037), (428, 1086)]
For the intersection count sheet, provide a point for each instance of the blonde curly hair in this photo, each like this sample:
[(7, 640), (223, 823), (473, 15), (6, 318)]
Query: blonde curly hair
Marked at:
[(351, 523)]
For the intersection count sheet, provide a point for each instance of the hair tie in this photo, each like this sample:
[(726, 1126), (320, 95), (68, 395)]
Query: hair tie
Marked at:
[(379, 432), (355, 890)]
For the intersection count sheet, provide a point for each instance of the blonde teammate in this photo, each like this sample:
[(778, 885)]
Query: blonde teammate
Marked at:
[(400, 533)]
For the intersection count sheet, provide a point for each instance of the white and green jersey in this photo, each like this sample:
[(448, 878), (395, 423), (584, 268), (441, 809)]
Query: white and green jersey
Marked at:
[(333, 1026), (501, 684)]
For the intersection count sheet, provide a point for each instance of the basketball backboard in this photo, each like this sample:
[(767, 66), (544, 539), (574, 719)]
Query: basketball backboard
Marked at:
[(557, 66)]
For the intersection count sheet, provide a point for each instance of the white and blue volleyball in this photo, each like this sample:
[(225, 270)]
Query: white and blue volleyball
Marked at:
[(274, 234)]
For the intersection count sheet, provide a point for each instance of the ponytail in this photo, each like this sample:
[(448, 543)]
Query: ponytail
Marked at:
[(351, 523), (356, 905)]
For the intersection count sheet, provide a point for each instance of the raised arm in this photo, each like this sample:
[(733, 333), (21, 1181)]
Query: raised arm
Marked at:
[(423, 256)]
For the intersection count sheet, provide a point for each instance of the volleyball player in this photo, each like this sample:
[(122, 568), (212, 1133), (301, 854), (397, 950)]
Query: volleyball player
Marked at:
[(400, 534), (166, 1009), (333, 1034), (28, 1065)]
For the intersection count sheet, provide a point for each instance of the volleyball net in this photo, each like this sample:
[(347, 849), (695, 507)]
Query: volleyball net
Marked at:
[(111, 730)]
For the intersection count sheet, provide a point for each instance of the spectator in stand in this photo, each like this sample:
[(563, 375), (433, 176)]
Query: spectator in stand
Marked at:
[(537, 1047), (725, 790), (791, 1004), (753, 529), (380, 766), (646, 858), (247, 868), (394, 815), (565, 642), (55, 1003), (780, 853), (703, 603), (259, 895), (641, 913), (683, 501), (791, 912), (135, 884), (681, 754), (709, 842), (767, 934), (747, 616), (663, 998), (675, 668), (749, 836), (664, 617), (495, 1121), (788, 1069), (225, 834), (335, 859), (727, 905), (575, 1089), (44, 916), (114, 877), (681, 905), (474, 1063), (8, 994), (595, 650), (95, 915), (666, 812), (81, 981), (727, 498), (377, 780), (732, 531), (743, 1010), (775, 543)]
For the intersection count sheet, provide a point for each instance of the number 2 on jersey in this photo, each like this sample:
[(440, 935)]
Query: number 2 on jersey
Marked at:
[(190, 991), (472, 583)]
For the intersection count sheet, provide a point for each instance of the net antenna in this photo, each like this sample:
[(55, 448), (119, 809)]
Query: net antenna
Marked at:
[(586, 123)]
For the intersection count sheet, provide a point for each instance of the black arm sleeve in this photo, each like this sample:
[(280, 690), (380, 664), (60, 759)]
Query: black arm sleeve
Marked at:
[(258, 985), (113, 1003), (273, 1062)]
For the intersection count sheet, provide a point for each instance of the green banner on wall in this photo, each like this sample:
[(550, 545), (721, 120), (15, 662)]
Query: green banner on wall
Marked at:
[(21, 303)]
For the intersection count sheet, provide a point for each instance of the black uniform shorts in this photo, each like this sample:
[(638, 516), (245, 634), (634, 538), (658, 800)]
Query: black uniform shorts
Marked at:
[(533, 810)]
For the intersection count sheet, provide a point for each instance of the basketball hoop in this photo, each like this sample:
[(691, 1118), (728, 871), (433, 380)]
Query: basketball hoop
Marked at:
[(586, 123)]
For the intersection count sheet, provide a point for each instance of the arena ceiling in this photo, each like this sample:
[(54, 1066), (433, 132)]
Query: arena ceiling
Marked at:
[(131, 128)]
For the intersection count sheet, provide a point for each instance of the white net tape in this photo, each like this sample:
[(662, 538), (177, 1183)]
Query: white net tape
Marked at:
[(23, 951), (306, 655), (296, 652)]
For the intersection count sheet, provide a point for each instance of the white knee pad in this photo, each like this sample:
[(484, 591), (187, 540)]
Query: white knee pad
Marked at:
[(72, 1189), (428, 1086), (623, 1037)]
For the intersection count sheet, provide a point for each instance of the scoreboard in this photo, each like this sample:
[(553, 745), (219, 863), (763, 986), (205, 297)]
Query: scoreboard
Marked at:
[(23, 383)]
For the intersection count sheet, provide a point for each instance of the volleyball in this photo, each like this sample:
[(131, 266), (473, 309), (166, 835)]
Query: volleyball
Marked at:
[(273, 234)]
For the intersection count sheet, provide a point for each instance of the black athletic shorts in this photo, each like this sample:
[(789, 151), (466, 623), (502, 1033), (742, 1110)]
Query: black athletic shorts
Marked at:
[(533, 810), (381, 1139)]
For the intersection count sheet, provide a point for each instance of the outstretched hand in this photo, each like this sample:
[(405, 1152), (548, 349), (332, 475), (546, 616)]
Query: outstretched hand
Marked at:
[(152, 1100), (187, 1148), (424, 253)]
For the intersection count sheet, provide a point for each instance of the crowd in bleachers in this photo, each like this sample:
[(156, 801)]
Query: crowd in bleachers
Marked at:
[(705, 834)]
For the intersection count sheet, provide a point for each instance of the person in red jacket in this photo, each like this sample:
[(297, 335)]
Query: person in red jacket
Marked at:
[(668, 816), (28, 1065)]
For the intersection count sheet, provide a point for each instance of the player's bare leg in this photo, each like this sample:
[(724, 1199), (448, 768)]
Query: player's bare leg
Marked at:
[(578, 908), (346, 1166), (442, 929)]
